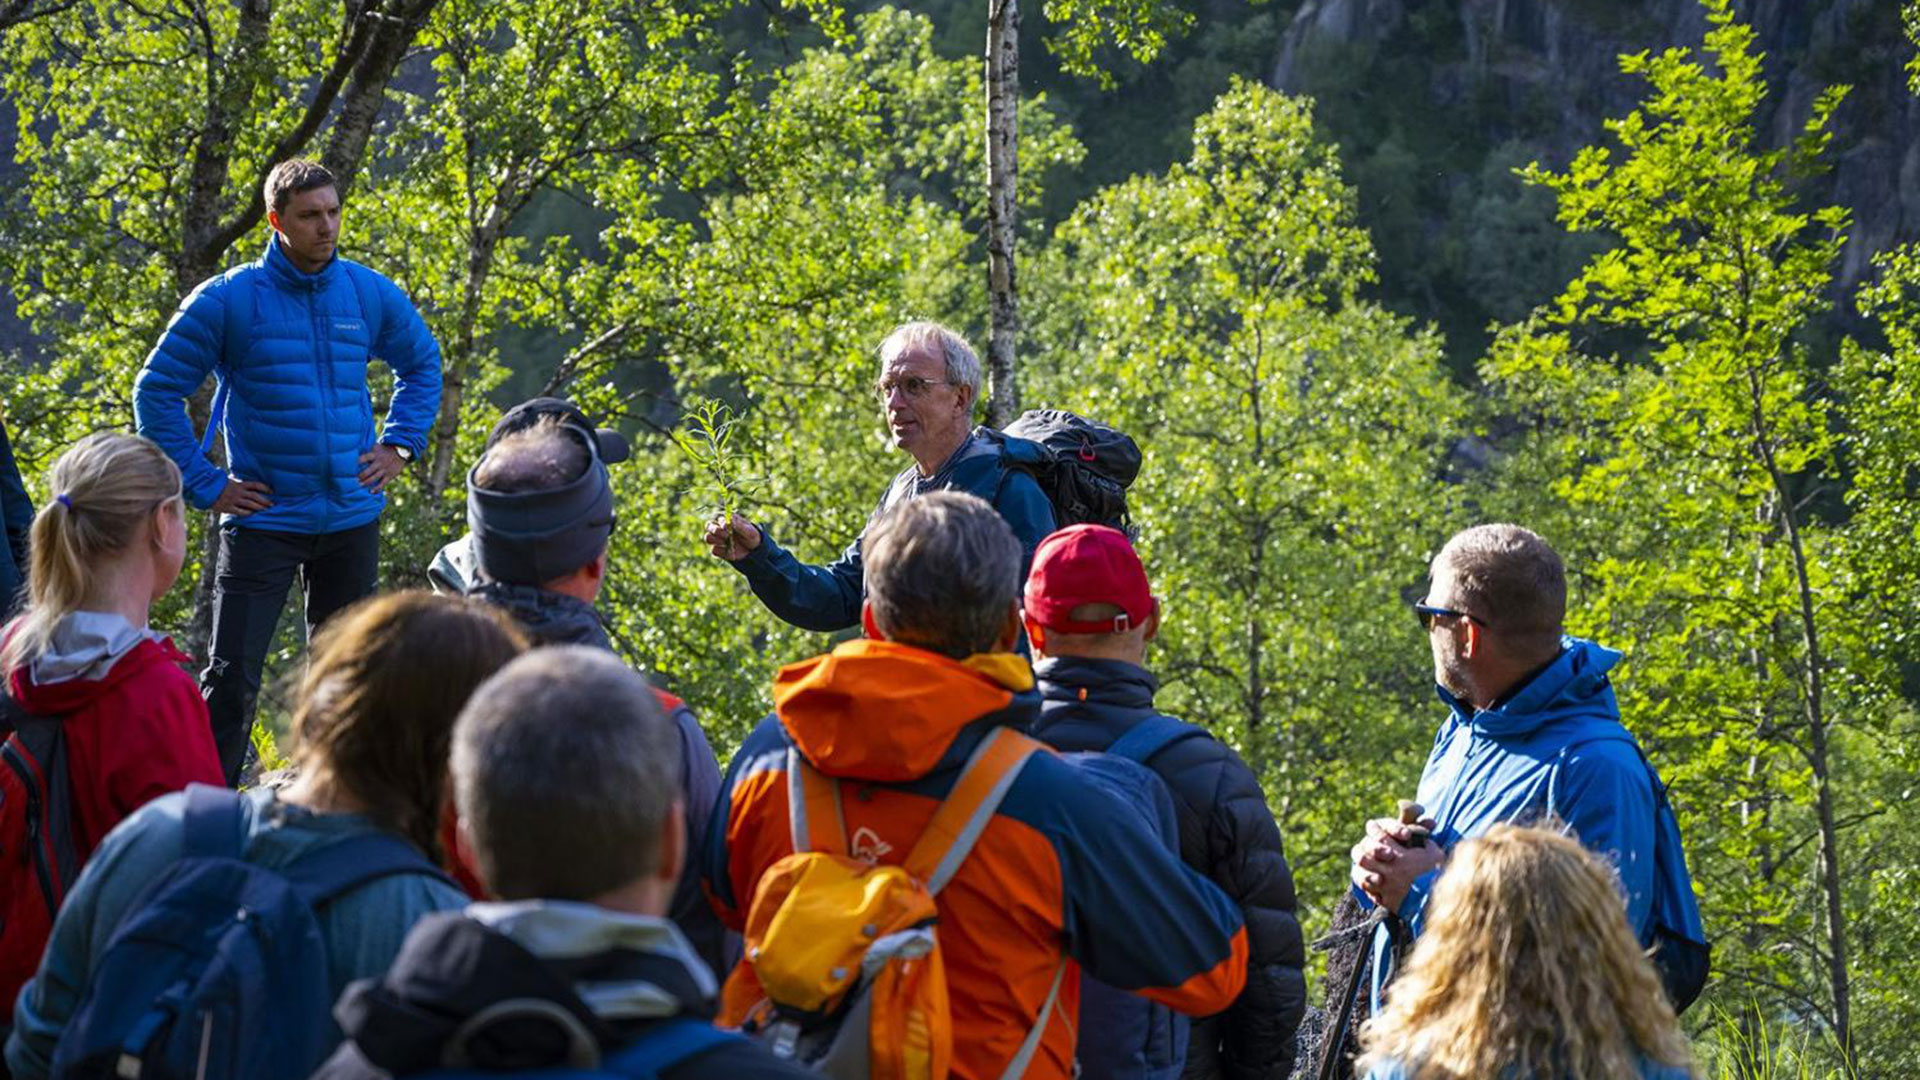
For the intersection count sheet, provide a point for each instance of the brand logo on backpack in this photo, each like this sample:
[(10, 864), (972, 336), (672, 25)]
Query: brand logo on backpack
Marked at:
[(867, 846)]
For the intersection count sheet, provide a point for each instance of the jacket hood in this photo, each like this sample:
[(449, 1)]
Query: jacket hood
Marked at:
[(610, 972), (886, 712), (89, 654), (1574, 685), (551, 618)]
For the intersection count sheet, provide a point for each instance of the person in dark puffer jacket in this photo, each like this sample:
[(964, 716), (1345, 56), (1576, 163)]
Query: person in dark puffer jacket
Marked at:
[(289, 339), (1090, 613)]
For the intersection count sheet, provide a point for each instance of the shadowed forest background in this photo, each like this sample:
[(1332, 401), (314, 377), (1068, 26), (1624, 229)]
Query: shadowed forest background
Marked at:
[(1355, 273)]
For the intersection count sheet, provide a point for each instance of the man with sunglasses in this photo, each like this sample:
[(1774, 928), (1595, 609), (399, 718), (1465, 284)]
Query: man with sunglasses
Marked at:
[(929, 382), (1533, 733)]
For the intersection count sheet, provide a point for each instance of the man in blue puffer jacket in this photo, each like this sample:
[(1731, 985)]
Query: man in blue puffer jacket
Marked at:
[(1533, 732), (288, 339)]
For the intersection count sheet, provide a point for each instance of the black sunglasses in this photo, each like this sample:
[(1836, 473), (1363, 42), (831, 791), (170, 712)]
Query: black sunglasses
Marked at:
[(1426, 613)]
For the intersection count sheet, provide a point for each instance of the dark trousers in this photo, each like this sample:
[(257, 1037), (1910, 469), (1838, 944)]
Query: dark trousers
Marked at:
[(254, 570)]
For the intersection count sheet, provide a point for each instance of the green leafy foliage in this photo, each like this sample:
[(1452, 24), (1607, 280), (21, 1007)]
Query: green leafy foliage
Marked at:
[(702, 243), (1682, 451), (1292, 434)]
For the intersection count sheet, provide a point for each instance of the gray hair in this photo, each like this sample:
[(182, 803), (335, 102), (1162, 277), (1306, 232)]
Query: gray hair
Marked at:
[(962, 364), (1512, 579), (547, 454), (942, 572), (565, 769)]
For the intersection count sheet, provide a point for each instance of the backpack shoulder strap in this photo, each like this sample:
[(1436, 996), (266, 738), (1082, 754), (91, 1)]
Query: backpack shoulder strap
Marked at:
[(815, 818), (1621, 735), (367, 287), (236, 304), (11, 713), (213, 823), (963, 816), (1152, 735), (667, 1045), (337, 869)]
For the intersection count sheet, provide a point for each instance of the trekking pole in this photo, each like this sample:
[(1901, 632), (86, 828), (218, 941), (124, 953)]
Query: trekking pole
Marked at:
[(1410, 813)]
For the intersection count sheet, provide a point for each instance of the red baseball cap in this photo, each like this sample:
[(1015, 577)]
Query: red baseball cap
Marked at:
[(1087, 564)]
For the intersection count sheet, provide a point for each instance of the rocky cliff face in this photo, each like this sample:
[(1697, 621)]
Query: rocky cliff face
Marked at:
[(1512, 80)]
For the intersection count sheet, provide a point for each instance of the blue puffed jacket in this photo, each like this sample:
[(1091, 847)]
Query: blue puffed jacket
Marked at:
[(298, 413)]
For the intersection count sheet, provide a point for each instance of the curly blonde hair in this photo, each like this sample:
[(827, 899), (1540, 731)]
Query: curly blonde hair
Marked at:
[(1526, 968)]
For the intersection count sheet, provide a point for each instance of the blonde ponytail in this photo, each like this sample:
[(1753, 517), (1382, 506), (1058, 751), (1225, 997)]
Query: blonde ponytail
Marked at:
[(101, 490)]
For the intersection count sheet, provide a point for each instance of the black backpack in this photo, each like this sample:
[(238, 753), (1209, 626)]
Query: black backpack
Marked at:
[(1083, 467)]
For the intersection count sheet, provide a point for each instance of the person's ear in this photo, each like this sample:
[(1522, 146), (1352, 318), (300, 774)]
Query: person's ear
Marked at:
[(673, 843), (1474, 637), (1036, 634), (1153, 621), (868, 623), (273, 221), (966, 398), (1009, 629), (157, 524), (597, 569)]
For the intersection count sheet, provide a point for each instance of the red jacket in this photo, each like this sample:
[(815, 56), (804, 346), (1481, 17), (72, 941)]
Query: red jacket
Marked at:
[(132, 736), (1056, 873), (137, 734)]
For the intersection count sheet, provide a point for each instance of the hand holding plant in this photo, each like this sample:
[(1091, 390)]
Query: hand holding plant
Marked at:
[(708, 436)]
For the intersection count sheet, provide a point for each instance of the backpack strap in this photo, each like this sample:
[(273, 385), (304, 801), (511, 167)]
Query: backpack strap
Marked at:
[(1017, 1068), (323, 876), (816, 820), (213, 823), (963, 816), (667, 1045), (237, 308), (367, 287), (1152, 735)]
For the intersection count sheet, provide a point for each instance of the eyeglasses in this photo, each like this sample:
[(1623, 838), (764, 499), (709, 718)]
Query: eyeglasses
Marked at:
[(912, 385), (1426, 613)]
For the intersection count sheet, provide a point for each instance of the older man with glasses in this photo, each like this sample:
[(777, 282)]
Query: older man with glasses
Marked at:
[(929, 383), (1533, 733)]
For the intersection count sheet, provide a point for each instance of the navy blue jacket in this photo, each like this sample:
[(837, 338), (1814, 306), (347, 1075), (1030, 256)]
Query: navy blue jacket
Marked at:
[(827, 598), (298, 414), (16, 518), (1226, 832), (1555, 746)]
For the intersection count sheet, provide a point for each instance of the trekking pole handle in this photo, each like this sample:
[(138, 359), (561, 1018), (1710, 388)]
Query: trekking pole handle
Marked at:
[(1410, 814)]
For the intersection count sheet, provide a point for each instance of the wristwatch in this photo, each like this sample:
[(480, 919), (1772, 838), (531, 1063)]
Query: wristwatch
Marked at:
[(406, 453)]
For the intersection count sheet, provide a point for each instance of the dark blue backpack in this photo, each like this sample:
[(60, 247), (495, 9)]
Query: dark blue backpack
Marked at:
[(665, 1046), (1123, 1035), (1681, 952), (219, 968)]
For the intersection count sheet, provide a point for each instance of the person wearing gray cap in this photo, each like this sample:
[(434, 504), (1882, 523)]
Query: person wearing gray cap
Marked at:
[(540, 510)]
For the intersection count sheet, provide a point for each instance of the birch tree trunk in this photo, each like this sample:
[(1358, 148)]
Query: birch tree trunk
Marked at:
[(1003, 169)]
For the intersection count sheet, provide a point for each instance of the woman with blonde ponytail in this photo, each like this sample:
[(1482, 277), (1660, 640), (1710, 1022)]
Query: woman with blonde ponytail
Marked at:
[(1527, 971), (107, 542)]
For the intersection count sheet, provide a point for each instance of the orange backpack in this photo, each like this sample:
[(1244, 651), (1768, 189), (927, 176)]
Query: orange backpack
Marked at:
[(843, 972)]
